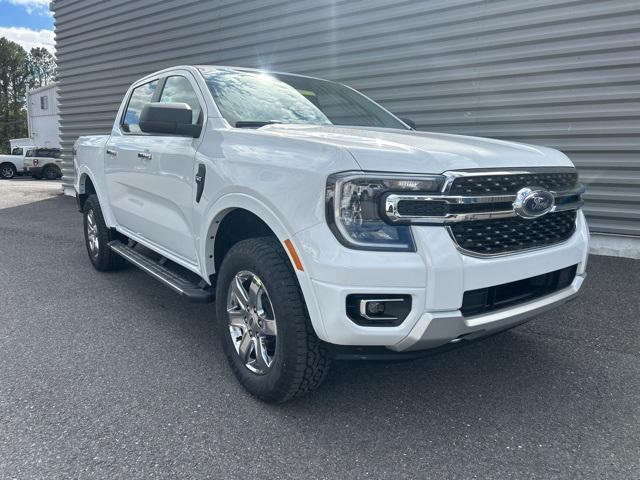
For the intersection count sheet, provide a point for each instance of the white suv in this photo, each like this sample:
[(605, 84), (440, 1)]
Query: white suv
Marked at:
[(43, 162), (323, 224)]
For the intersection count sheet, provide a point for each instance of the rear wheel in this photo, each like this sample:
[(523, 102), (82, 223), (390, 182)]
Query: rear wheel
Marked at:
[(97, 237), (51, 172), (263, 323), (7, 171)]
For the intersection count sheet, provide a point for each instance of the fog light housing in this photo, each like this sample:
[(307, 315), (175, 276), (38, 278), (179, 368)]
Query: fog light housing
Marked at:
[(376, 310)]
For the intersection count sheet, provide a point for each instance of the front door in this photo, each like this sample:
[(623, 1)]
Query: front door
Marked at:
[(151, 178)]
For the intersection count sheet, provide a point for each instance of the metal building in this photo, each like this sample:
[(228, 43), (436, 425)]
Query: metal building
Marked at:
[(562, 73)]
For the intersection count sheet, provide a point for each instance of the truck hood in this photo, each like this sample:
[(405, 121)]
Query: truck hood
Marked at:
[(392, 150)]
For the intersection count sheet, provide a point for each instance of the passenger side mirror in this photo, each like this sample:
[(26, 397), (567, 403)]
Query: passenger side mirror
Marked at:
[(169, 119), (409, 122)]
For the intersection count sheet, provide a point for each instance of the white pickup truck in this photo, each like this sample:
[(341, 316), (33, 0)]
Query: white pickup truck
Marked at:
[(324, 225), (13, 164)]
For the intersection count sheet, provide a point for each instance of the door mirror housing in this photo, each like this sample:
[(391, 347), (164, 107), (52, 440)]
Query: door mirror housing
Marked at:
[(168, 119), (409, 122)]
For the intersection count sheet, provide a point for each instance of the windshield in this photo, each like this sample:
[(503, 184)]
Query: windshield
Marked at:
[(254, 99)]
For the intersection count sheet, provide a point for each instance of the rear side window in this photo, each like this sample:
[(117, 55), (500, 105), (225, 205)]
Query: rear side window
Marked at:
[(16, 151), (44, 152), (179, 90), (49, 153), (140, 96)]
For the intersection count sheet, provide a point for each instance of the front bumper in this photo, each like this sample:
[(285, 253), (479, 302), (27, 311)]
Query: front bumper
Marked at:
[(436, 276), (438, 328)]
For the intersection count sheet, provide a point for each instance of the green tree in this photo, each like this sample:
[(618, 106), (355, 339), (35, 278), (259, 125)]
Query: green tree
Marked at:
[(42, 67), (13, 89), (19, 72)]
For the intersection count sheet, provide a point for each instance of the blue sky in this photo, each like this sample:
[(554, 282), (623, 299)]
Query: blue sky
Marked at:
[(27, 22)]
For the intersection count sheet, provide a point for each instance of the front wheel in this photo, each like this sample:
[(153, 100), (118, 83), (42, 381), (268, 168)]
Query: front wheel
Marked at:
[(263, 323), (97, 237), (7, 171)]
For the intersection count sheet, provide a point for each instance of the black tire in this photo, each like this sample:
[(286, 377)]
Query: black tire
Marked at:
[(103, 259), (8, 171), (301, 360), (50, 172)]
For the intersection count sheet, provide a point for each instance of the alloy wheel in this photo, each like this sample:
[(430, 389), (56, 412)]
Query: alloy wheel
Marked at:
[(6, 172), (92, 234), (252, 322)]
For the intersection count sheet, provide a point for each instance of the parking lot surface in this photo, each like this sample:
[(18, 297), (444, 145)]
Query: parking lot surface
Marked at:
[(23, 190), (114, 376)]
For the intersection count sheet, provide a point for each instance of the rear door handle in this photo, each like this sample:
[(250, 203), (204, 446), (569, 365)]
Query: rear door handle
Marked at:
[(145, 155), (112, 152)]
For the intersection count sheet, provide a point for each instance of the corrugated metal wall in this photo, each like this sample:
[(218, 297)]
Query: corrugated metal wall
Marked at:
[(560, 73)]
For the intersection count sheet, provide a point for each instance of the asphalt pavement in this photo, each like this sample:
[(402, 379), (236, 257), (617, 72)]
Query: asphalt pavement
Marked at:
[(114, 376)]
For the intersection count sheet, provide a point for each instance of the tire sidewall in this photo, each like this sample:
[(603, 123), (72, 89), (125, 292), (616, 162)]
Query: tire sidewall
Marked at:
[(50, 173), (92, 204), (270, 385), (13, 171)]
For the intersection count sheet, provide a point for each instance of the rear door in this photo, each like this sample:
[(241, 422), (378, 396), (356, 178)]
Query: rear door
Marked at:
[(150, 177)]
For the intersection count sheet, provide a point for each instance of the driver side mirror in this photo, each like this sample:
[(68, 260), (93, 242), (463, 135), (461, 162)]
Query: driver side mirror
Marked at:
[(168, 119)]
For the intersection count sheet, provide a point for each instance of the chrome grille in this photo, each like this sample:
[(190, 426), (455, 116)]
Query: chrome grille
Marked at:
[(503, 235), (479, 209), (509, 184)]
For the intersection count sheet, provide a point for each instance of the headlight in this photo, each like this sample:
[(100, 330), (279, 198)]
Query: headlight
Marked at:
[(354, 201)]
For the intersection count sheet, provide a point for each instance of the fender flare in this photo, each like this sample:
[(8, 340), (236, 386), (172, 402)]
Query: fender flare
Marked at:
[(232, 201), (82, 173)]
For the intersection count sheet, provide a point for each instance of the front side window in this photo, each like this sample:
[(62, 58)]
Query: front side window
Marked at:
[(179, 90), (140, 96), (253, 99)]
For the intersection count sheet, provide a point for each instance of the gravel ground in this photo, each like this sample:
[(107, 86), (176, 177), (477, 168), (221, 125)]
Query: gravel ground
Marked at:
[(113, 376)]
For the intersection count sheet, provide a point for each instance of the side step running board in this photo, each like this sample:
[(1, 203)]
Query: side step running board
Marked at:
[(175, 282)]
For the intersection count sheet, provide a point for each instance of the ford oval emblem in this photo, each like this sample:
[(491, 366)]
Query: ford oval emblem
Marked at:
[(532, 202)]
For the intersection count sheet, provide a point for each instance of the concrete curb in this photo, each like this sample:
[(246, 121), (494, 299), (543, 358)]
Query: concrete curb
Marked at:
[(615, 245)]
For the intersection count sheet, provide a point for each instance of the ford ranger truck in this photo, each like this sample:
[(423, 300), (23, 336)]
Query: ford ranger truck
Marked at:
[(322, 223)]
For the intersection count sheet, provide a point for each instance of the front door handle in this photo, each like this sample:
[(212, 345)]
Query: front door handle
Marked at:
[(145, 155), (111, 152)]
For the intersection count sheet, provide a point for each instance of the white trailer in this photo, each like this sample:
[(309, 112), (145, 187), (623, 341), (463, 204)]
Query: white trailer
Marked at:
[(42, 115)]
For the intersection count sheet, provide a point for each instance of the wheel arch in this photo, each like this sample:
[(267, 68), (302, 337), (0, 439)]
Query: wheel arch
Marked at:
[(87, 184), (267, 222), (85, 188)]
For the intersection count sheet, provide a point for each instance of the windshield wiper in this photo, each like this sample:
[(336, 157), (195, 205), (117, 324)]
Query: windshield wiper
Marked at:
[(253, 124)]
